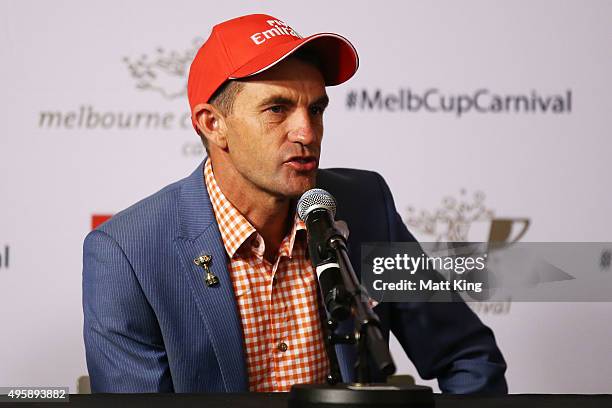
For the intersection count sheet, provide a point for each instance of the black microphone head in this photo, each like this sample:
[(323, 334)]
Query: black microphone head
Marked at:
[(313, 199)]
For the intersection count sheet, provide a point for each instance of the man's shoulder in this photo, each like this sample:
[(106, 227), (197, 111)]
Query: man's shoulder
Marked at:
[(348, 178), (155, 213), (346, 175), (345, 183), (359, 193), (365, 202)]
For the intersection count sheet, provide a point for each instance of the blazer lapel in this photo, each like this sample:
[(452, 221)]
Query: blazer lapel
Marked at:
[(199, 235)]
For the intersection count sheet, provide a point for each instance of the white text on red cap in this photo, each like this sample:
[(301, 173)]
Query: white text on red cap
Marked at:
[(278, 28)]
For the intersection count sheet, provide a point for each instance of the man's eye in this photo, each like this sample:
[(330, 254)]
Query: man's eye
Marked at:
[(317, 110), (276, 109)]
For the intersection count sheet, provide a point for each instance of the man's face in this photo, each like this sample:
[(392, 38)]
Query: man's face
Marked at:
[(275, 129)]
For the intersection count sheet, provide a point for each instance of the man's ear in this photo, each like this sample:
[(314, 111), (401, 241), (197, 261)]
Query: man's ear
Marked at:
[(211, 124)]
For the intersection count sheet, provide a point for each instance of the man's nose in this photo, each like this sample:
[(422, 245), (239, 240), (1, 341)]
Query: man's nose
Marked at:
[(303, 128)]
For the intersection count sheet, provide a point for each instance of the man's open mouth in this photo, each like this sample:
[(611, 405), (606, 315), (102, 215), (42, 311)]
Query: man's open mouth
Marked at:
[(302, 163)]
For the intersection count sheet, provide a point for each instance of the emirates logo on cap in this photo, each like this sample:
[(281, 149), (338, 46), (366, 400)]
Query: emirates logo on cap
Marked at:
[(278, 28)]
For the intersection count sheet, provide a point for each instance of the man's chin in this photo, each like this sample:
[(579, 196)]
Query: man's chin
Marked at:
[(295, 190), (292, 184), (297, 193)]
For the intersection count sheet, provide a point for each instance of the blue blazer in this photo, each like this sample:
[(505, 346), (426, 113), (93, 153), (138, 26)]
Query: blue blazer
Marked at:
[(152, 325)]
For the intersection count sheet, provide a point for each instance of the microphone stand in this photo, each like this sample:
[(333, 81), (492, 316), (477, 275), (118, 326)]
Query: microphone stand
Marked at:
[(367, 325), (370, 343)]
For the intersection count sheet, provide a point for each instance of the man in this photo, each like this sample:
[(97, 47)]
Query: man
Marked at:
[(206, 286)]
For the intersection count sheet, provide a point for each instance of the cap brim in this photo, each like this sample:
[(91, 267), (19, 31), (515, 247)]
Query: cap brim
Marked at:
[(339, 59)]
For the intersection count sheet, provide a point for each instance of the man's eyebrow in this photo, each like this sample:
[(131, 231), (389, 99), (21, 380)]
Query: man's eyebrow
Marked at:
[(281, 100), (276, 100)]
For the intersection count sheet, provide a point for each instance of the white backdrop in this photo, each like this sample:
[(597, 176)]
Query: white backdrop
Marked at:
[(64, 62)]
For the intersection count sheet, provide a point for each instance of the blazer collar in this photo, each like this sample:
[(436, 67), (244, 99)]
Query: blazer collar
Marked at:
[(198, 235), (195, 210)]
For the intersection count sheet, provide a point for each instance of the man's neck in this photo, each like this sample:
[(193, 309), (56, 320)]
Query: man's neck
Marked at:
[(269, 215)]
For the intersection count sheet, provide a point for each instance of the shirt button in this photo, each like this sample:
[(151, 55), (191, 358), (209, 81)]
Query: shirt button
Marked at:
[(282, 346)]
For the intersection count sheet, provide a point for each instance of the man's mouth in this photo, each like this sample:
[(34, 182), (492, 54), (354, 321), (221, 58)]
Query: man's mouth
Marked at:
[(302, 163)]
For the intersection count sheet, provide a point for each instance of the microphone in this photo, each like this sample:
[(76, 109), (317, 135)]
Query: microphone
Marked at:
[(317, 208), (339, 286)]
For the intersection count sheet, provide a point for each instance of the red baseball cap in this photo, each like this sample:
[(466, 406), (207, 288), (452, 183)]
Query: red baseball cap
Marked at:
[(248, 45)]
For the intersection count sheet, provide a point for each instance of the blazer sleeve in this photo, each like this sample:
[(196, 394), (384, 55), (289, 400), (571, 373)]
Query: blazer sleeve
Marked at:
[(446, 341), (123, 342)]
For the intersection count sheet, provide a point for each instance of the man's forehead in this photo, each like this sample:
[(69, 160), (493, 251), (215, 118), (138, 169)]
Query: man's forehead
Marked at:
[(261, 92), (286, 82)]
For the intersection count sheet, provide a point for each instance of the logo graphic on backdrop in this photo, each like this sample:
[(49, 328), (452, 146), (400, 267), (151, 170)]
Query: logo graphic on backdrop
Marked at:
[(4, 256), (462, 215), (480, 101), (164, 72), (99, 219), (463, 218)]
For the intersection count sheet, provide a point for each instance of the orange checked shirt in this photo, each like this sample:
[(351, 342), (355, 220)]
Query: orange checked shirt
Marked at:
[(278, 302)]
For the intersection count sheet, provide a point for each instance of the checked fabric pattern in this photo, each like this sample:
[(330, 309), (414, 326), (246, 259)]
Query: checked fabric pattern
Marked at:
[(278, 302)]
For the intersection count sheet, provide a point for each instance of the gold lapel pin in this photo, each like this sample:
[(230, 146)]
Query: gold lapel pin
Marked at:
[(203, 261)]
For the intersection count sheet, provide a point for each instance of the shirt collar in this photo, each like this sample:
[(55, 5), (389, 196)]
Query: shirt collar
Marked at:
[(235, 229)]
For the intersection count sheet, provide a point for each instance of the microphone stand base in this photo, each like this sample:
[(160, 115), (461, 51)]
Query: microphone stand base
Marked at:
[(360, 395)]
